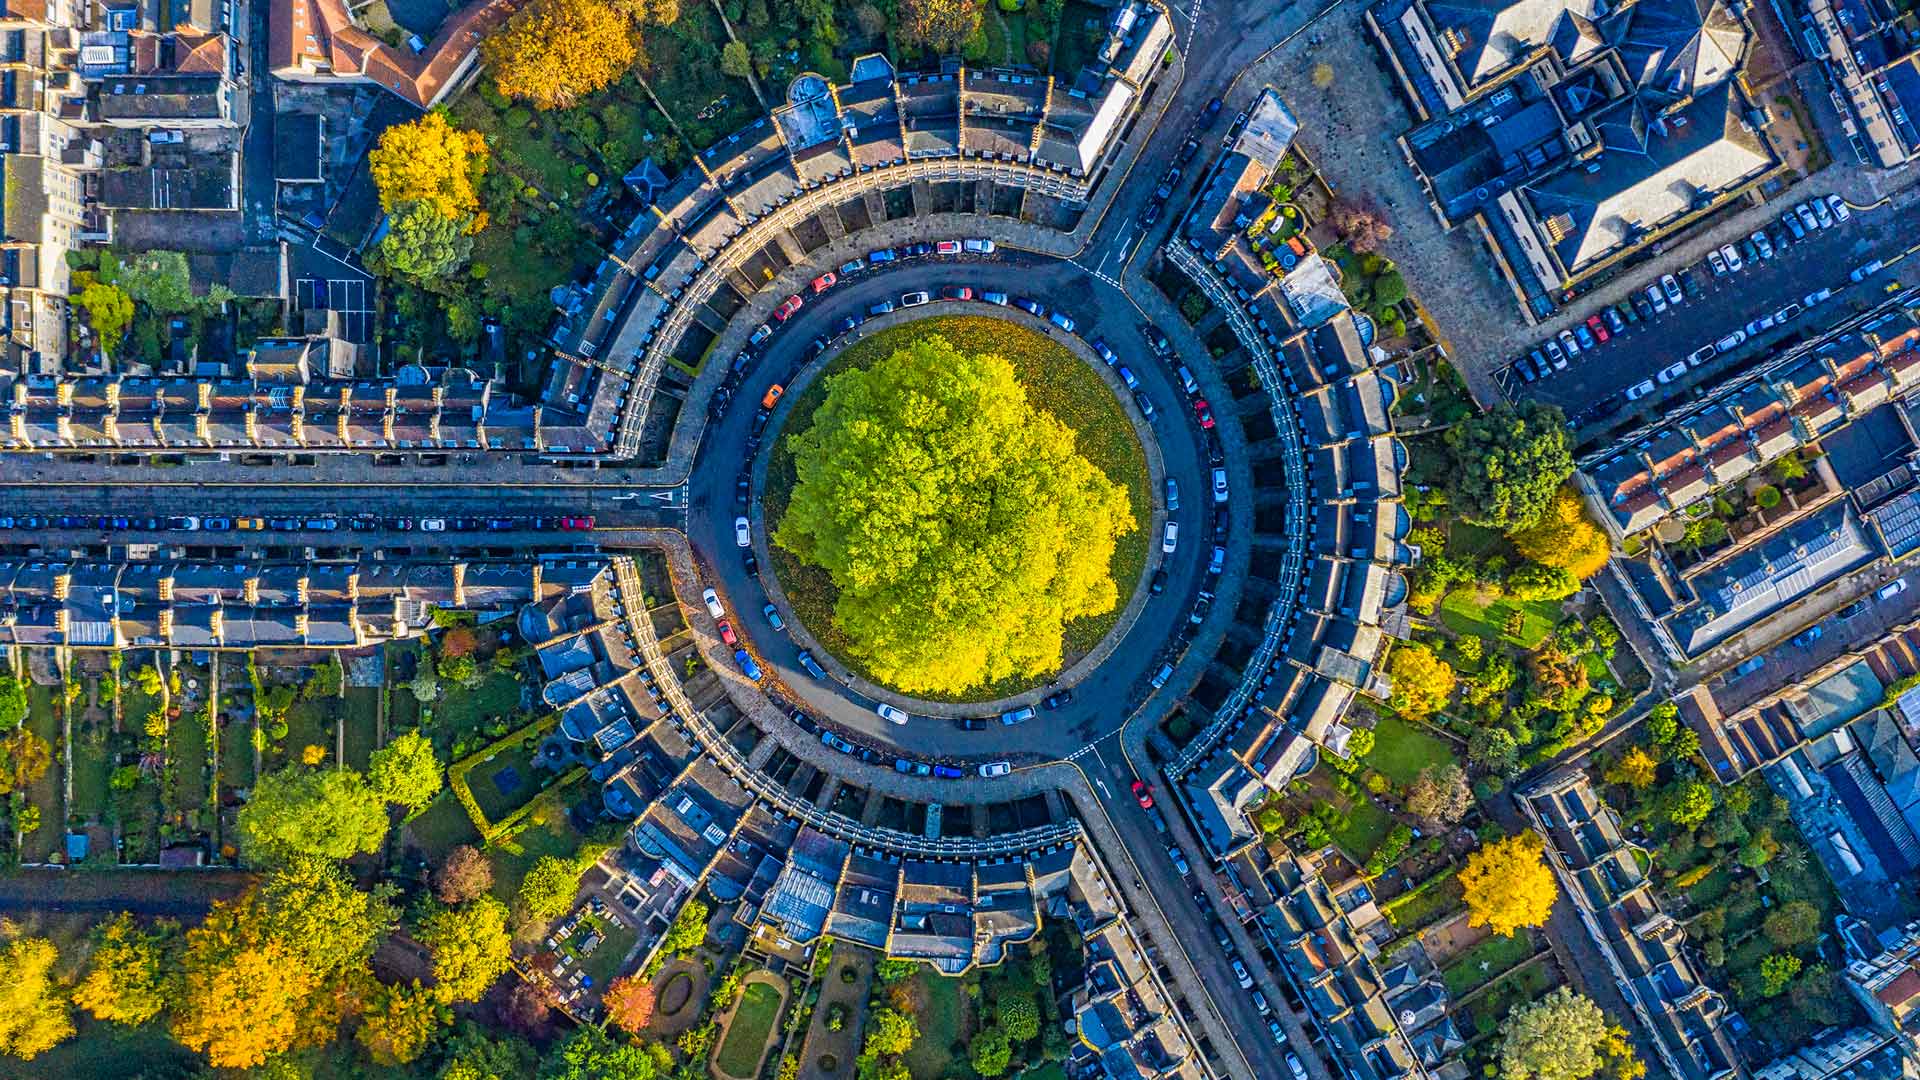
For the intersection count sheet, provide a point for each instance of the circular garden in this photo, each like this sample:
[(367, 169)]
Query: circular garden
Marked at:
[(957, 508)]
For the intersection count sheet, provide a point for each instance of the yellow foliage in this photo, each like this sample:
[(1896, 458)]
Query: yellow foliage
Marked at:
[(400, 1022), (313, 754), (1422, 682), (430, 160), (1635, 769), (243, 998), (1564, 537), (33, 1013), (554, 51), (1507, 885)]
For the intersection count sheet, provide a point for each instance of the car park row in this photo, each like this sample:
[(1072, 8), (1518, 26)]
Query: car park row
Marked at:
[(319, 523)]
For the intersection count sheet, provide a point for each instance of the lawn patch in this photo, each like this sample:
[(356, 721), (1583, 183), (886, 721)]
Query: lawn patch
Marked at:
[(1487, 961), (360, 718), (43, 719), (1402, 749), (1367, 828), (745, 1042), (1056, 381), (1523, 623), (945, 1019)]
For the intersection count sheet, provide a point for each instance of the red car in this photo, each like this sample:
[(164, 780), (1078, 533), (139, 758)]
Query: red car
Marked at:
[(785, 311), (947, 247), (1143, 794), (1599, 328), (956, 292), (823, 283), (727, 635), (1203, 411), (576, 524)]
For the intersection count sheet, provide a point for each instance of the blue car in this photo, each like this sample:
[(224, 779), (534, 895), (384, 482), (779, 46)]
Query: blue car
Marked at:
[(884, 255), (747, 667), (1808, 636)]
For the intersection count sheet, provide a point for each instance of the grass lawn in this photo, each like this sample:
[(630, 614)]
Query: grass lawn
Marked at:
[(442, 827), (1528, 984), (360, 713), (491, 707), (556, 837), (746, 1038), (1428, 907), (1054, 381), (1487, 961), (92, 768), (604, 963), (946, 1019), (309, 723), (187, 743), (236, 752), (1401, 749), (511, 765), (1464, 615), (45, 792), (103, 1049), (1367, 828)]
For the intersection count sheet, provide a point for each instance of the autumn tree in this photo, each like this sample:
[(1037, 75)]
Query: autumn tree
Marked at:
[(331, 813), (1795, 923), (130, 975), (1508, 464), (399, 1023), (1692, 802), (689, 928), (109, 311), (465, 875), (310, 906), (960, 524), (33, 1009), (242, 994), (24, 758), (1440, 794), (552, 52), (405, 771), (1422, 682), (1776, 972), (1507, 884), (548, 889), (629, 1002), (429, 160), (1635, 769), (528, 1009), (1364, 228), (1558, 1037), (1564, 537), (470, 947), (940, 25)]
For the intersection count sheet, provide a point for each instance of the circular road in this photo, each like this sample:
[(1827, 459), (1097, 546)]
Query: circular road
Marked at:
[(1103, 697)]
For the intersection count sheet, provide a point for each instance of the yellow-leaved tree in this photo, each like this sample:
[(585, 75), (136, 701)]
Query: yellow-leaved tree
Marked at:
[(1508, 885), (429, 160), (1564, 537), (33, 1011), (554, 51)]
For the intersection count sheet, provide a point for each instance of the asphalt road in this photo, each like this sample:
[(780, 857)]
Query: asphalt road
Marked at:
[(1103, 699), (1592, 388)]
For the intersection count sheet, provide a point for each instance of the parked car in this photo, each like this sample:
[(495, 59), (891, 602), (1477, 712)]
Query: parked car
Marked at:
[(1807, 219), (1671, 287), (773, 617), (726, 633), (1762, 244), (772, 397), (1754, 328), (1808, 636), (1616, 321), (427, 525), (712, 600), (1598, 329), (811, 665), (1569, 343), (1017, 716), (1690, 284), (1219, 485), (1672, 371), (1141, 399), (1061, 320), (1170, 538), (1700, 355), (1657, 297), (955, 292), (1717, 263), (1187, 382), (830, 739), (1794, 226), (1059, 699), (891, 714), (881, 308), (881, 257), (824, 282), (947, 247), (742, 532), (995, 768), (1143, 794), (1839, 206), (1822, 213), (1731, 341), (1031, 306), (788, 308), (1202, 412), (1240, 974), (1891, 589), (978, 246), (915, 298), (1179, 860), (1173, 494), (760, 334), (1127, 376), (1734, 262)]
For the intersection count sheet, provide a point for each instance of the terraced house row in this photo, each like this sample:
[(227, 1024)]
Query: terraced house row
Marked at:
[(249, 605), (727, 222), (1333, 568)]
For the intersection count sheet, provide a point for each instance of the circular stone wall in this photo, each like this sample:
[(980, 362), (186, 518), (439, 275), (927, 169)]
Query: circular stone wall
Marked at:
[(1055, 380)]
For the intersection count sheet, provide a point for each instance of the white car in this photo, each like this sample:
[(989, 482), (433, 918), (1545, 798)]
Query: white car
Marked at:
[(1672, 371), (996, 768), (433, 525), (1839, 206), (890, 714), (1671, 286), (1731, 341), (1170, 539), (1568, 343), (1657, 298), (1891, 589), (742, 533), (914, 299), (712, 600), (1219, 485), (1293, 1066), (1240, 974), (978, 246), (1733, 258), (1636, 392), (1700, 355), (1764, 322)]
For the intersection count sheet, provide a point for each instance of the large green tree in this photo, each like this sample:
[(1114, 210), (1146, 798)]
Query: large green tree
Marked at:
[(331, 813), (1559, 1037), (1508, 463), (960, 525), (310, 906), (406, 771), (470, 947), (424, 244), (130, 975)]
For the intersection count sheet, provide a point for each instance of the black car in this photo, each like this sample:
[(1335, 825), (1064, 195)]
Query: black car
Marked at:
[(747, 560), (1151, 215), (1187, 151), (1057, 701), (1212, 110), (742, 489), (848, 323), (1159, 583), (363, 524), (970, 723), (464, 524), (1691, 283), (500, 524), (1643, 305), (760, 419), (921, 248)]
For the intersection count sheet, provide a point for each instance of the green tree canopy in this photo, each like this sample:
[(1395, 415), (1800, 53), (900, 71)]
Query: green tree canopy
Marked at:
[(547, 890), (13, 702), (424, 244), (109, 311), (470, 947), (989, 1052), (331, 813), (588, 1054), (130, 973), (405, 771), (959, 523), (1558, 1037), (1508, 464), (310, 907)]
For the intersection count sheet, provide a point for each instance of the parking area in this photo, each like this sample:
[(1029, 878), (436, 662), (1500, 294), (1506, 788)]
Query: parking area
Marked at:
[(1701, 320)]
